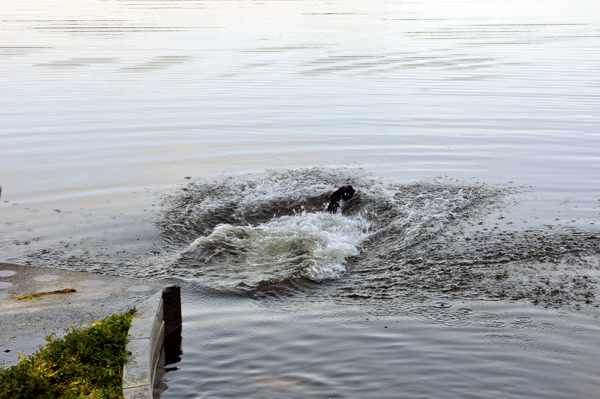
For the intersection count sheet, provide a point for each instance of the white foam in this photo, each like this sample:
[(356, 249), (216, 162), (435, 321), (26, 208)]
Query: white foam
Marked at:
[(314, 244), (251, 248)]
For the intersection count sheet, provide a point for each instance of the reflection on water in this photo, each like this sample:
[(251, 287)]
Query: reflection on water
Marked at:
[(484, 115), (285, 300), (171, 88), (319, 349)]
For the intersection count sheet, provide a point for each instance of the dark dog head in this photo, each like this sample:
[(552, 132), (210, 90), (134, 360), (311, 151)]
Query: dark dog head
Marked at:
[(347, 192), (343, 193)]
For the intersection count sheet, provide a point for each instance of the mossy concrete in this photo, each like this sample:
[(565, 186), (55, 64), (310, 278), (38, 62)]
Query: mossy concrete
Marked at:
[(25, 324)]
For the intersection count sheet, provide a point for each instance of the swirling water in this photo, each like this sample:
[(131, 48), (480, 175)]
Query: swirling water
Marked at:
[(198, 141)]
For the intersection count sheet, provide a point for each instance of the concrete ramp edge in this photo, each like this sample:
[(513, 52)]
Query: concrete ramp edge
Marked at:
[(151, 322)]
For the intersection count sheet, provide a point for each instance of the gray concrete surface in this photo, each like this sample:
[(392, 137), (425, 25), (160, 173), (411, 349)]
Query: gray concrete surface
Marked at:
[(144, 343), (25, 324)]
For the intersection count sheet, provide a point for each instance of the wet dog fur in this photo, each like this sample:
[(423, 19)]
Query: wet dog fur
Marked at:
[(343, 193)]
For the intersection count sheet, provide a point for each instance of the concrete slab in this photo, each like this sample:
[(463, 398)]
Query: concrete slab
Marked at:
[(145, 341), (137, 371), (25, 324), (140, 392)]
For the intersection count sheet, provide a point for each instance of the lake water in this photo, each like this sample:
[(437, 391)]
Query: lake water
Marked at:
[(199, 140)]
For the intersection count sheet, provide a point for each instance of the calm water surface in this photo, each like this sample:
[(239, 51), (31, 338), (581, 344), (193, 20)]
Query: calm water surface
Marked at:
[(198, 140)]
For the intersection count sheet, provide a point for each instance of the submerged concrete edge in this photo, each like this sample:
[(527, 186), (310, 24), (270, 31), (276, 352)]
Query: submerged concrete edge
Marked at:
[(154, 318)]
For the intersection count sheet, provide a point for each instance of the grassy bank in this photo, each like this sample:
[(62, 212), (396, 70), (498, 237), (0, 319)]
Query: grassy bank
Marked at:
[(86, 363)]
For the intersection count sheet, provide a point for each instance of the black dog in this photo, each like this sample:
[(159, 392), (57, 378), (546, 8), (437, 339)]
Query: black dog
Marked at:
[(343, 193)]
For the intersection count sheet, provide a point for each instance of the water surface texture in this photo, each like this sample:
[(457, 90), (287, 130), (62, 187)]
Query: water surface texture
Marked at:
[(199, 140)]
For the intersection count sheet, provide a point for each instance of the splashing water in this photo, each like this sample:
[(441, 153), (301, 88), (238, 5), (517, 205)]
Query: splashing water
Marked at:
[(310, 245), (269, 236), (271, 231)]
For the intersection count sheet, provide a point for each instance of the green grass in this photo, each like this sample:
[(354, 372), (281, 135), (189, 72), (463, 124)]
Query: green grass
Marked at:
[(86, 363)]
